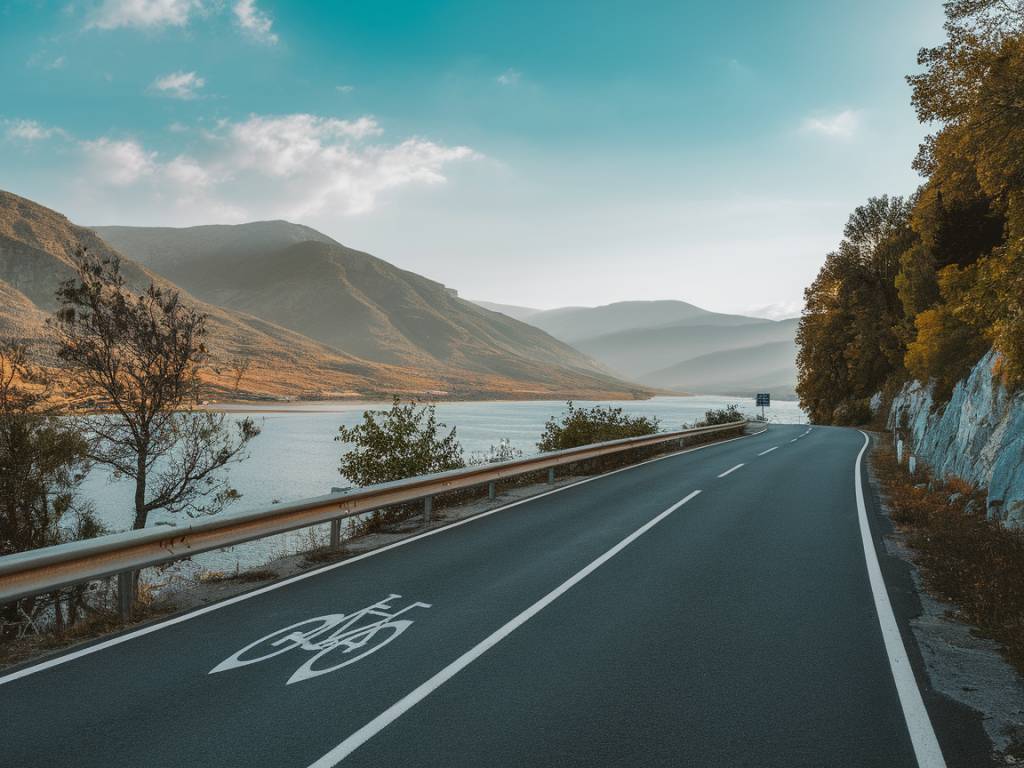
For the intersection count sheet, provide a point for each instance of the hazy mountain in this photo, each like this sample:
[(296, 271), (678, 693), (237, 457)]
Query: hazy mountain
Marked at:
[(573, 323), (359, 304), (519, 313), (35, 248), (676, 345), (641, 351), (743, 371)]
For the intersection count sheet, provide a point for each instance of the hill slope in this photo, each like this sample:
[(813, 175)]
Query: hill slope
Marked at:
[(676, 345), (36, 244), (574, 323), (350, 300)]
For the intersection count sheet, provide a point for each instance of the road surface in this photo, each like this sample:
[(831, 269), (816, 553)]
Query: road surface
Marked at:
[(710, 608)]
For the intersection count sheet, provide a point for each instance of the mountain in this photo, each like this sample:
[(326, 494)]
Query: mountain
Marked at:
[(769, 367), (357, 303), (574, 323), (513, 311), (679, 346), (36, 245)]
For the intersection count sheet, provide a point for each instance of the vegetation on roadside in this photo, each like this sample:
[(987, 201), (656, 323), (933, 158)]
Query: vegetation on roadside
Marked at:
[(923, 287), (404, 441), (597, 424), (43, 459), (965, 558), (715, 416)]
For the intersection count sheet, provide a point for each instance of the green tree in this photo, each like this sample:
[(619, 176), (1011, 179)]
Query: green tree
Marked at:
[(43, 459), (402, 442), (585, 426)]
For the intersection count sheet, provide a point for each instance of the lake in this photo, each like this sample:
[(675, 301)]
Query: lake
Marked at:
[(296, 456)]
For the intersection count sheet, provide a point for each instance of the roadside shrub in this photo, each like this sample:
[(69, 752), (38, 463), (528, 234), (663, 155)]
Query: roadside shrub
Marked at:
[(852, 413), (717, 416), (503, 451), (402, 442), (583, 426)]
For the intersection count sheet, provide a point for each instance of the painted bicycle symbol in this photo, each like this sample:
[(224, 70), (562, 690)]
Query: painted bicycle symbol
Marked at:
[(336, 640)]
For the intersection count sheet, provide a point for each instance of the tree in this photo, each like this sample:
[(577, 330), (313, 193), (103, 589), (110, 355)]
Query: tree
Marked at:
[(402, 442), (43, 459), (139, 355), (584, 426), (239, 367)]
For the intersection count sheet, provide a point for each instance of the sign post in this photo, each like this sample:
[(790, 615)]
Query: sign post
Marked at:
[(763, 399)]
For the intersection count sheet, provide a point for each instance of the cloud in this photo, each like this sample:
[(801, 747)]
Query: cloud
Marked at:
[(841, 125), (119, 163), (143, 14), (30, 130), (266, 166), (256, 23), (781, 310), (344, 88), (179, 85), (509, 77), (42, 60)]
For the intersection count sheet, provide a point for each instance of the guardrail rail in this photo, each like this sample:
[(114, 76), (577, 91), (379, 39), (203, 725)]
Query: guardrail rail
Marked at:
[(40, 571)]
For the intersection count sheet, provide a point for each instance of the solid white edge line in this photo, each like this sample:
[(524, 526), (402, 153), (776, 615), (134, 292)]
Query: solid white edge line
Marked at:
[(919, 725), (729, 471), (71, 656), (418, 694), (773, 448)]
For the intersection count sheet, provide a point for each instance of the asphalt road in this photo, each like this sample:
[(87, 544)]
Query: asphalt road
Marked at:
[(602, 624)]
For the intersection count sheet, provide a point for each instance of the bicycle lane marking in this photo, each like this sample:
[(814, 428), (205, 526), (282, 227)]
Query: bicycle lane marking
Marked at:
[(418, 694)]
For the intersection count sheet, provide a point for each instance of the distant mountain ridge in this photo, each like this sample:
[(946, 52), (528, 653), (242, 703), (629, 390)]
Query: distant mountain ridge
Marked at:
[(36, 244), (679, 346)]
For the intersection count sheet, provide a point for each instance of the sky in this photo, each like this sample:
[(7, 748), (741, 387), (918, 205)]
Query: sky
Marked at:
[(534, 153)]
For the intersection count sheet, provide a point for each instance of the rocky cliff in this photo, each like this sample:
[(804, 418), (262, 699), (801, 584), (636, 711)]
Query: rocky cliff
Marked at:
[(978, 436)]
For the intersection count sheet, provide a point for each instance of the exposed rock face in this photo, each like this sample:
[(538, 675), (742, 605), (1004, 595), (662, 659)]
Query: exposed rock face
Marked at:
[(978, 435)]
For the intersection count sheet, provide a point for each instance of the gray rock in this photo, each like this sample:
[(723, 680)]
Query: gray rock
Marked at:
[(978, 436)]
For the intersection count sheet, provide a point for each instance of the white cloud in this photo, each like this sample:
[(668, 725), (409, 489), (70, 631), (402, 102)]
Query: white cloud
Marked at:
[(114, 14), (344, 88), (30, 130), (841, 125), (256, 23), (179, 85), (119, 163), (267, 166), (509, 77), (42, 60)]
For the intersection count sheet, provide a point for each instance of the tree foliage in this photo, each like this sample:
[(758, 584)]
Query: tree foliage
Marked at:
[(137, 356), (584, 426), (402, 442), (924, 287), (43, 459)]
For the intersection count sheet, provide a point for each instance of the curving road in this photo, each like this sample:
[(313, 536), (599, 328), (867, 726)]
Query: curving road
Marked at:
[(710, 608)]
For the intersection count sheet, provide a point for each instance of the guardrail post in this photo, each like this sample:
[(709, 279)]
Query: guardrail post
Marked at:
[(428, 507), (335, 534), (492, 490), (125, 598), (551, 475)]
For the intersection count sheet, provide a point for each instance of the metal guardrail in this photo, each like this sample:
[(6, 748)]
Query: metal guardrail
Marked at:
[(43, 570)]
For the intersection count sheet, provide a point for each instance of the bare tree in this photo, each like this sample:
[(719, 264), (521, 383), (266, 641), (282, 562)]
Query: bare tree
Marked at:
[(239, 367), (139, 355)]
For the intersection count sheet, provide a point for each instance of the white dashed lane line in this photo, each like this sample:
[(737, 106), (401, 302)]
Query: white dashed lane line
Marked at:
[(773, 448), (730, 471)]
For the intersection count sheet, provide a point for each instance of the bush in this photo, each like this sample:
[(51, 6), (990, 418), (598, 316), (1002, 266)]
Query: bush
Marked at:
[(715, 416), (584, 426), (396, 444)]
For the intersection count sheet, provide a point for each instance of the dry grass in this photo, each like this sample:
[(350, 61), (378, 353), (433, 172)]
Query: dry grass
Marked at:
[(966, 559), (244, 577)]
